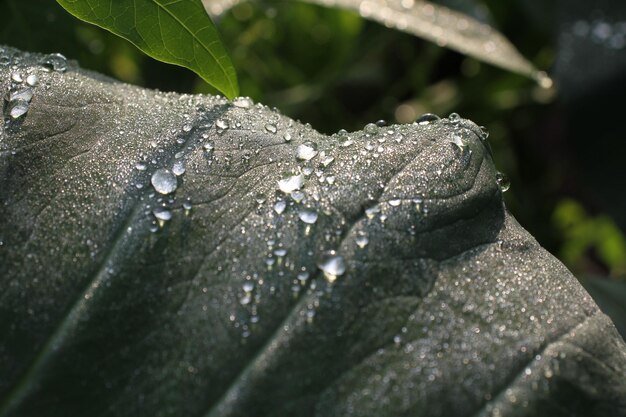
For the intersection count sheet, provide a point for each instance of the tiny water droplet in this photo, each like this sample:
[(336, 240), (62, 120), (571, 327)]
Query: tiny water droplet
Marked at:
[(297, 196), (427, 118), (279, 206), (242, 102), (248, 286), (308, 216), (395, 202), (332, 265), (503, 181), (222, 124), (178, 168), (291, 183), (270, 127), (22, 94), (208, 147), (371, 212), (381, 123), (306, 151), (362, 240), (162, 213), (280, 252), (187, 206), (163, 181), (187, 127), (454, 118), (327, 161), (371, 128), (245, 300), (17, 77), (32, 80), (303, 276), (140, 166), (287, 137)]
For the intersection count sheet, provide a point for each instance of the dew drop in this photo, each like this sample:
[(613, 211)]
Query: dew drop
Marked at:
[(187, 206), (187, 127), (371, 128), (140, 166), (248, 286), (454, 118), (23, 94), (280, 252), (270, 127), (458, 142), (222, 124), (32, 80), (163, 181), (287, 137), (18, 109), (17, 77), (242, 102), (55, 62), (297, 196), (362, 240), (291, 183), (427, 118), (395, 202), (303, 276), (503, 181), (208, 147), (306, 151), (332, 265), (327, 161), (245, 300), (178, 168), (308, 216), (279, 206), (162, 213), (371, 212)]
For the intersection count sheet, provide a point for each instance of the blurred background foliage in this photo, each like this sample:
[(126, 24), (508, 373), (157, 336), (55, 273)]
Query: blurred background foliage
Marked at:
[(334, 70)]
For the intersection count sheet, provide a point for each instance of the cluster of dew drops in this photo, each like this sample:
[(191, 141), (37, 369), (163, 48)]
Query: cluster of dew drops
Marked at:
[(24, 80)]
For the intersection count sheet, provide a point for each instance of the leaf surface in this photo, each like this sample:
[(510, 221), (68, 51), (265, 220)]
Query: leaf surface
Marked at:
[(434, 302), (174, 31)]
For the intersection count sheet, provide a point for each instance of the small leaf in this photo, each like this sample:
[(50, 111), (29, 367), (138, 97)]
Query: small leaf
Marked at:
[(438, 24), (173, 31)]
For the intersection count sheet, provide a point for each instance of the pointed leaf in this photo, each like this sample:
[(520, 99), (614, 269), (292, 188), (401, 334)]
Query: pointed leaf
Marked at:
[(174, 31)]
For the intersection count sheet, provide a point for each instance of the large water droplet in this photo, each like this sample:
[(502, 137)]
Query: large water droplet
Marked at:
[(503, 181), (55, 62), (222, 125), (395, 202), (248, 286), (270, 127), (306, 151), (427, 118), (308, 216), (332, 265), (18, 109), (163, 181), (287, 137), (291, 183), (17, 77), (279, 206), (362, 240), (23, 94), (454, 118)]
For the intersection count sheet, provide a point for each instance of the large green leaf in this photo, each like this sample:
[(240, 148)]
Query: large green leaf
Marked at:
[(175, 31), (231, 308)]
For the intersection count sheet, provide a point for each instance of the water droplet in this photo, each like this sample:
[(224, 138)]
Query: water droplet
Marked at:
[(291, 183), (187, 127), (381, 123), (503, 181), (371, 128), (17, 77), (242, 102), (178, 168), (362, 240), (270, 127), (187, 206), (32, 80), (303, 276), (280, 252), (458, 142), (18, 109), (287, 137), (248, 286), (297, 196), (55, 62), (327, 161), (245, 300), (371, 212), (23, 94), (484, 133), (395, 202), (140, 166), (454, 118), (162, 213), (163, 181), (427, 118), (222, 125), (307, 216), (208, 147), (306, 151), (279, 206), (332, 265)]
